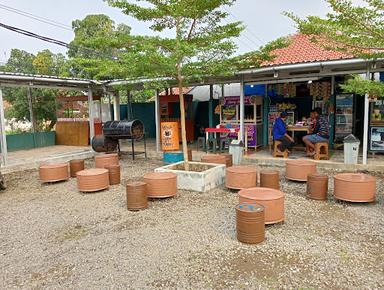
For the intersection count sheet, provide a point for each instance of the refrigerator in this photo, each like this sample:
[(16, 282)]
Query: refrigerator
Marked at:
[(344, 116)]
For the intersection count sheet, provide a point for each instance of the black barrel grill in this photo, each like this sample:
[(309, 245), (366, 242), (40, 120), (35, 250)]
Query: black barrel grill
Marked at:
[(114, 130)]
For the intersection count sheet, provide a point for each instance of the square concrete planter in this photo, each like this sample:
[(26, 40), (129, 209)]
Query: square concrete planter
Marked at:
[(202, 177)]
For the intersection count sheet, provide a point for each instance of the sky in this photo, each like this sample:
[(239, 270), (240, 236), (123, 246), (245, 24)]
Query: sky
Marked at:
[(263, 20)]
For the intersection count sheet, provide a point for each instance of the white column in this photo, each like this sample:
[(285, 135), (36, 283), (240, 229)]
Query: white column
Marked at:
[(3, 139), (157, 121), (91, 118), (242, 110), (366, 122), (116, 106)]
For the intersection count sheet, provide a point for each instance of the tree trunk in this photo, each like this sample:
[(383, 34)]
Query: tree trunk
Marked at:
[(182, 120)]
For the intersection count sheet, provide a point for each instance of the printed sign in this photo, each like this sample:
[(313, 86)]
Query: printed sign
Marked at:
[(377, 139), (234, 101), (251, 134)]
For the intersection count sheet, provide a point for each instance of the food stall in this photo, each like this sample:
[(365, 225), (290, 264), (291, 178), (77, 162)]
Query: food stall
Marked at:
[(253, 117), (297, 99), (170, 112)]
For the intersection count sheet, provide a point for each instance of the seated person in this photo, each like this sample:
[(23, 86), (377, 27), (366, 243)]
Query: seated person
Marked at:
[(279, 133), (320, 132)]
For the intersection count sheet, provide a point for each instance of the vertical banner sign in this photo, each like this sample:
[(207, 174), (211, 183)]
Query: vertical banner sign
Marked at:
[(170, 136)]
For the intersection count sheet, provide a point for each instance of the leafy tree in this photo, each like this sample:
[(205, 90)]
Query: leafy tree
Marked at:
[(48, 63), (100, 49), (44, 100), (200, 45), (357, 30)]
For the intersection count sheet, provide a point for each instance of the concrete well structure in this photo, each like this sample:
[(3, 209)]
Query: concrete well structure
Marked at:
[(200, 181)]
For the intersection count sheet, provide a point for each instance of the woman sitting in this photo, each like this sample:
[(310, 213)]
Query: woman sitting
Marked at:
[(279, 133)]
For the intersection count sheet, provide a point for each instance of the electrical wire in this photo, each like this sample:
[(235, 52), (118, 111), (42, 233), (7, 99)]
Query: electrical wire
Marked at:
[(36, 17), (53, 41), (246, 29)]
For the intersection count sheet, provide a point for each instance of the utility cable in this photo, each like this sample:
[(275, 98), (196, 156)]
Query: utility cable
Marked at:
[(36, 17)]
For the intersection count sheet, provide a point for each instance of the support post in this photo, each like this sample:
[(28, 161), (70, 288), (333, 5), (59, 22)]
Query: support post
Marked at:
[(30, 107), (91, 118), (116, 106), (129, 107), (366, 121), (157, 120), (210, 106), (332, 99), (3, 138), (265, 117), (242, 110)]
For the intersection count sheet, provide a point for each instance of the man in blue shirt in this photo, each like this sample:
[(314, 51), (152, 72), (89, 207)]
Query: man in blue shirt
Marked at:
[(279, 133)]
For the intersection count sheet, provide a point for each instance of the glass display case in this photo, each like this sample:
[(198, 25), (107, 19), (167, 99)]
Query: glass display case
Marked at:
[(343, 117)]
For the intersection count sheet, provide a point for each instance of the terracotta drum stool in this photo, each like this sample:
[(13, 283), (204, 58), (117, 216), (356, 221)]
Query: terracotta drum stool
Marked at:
[(228, 158), (355, 187), (214, 158), (271, 199), (91, 180), (239, 177), (161, 184), (54, 172), (76, 166), (321, 151), (299, 169), (106, 159), (114, 174), (317, 186), (250, 223), (270, 179), (137, 195)]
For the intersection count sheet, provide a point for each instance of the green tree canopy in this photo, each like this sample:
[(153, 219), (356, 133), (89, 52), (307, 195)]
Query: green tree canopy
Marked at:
[(44, 100), (193, 42)]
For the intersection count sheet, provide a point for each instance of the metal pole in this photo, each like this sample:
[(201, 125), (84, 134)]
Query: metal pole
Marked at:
[(90, 113), (210, 106), (332, 99), (242, 109), (30, 106), (157, 121), (3, 139), (366, 121), (116, 106)]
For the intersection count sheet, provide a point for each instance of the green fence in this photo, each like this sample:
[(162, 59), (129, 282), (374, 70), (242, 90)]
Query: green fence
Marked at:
[(24, 141)]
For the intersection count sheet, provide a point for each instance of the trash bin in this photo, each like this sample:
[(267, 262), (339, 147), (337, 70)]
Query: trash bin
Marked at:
[(351, 149), (236, 148)]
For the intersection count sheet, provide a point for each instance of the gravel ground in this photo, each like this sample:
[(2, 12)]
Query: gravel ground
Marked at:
[(52, 236)]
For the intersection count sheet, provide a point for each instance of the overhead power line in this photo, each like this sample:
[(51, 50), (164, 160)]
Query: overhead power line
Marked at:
[(53, 41), (261, 42), (36, 17)]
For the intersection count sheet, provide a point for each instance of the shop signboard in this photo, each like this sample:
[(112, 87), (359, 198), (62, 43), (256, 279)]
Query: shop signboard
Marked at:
[(377, 139), (229, 113), (251, 134), (234, 101)]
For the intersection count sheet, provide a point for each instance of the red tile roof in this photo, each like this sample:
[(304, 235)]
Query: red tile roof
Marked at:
[(303, 50)]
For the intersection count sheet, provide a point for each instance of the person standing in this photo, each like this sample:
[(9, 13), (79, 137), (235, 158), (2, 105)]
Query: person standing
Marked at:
[(279, 133), (319, 134)]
